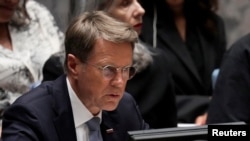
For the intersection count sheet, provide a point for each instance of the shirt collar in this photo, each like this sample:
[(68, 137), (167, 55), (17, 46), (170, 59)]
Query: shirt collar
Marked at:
[(80, 112)]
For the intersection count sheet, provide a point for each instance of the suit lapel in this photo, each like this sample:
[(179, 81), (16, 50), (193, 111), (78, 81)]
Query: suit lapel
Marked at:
[(209, 56), (171, 39), (110, 126), (64, 121)]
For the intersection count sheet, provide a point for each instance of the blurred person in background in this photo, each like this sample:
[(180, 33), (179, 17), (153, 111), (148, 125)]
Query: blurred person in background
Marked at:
[(193, 37), (231, 96), (28, 37)]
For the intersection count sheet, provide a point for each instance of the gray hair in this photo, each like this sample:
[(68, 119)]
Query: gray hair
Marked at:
[(91, 5), (90, 26)]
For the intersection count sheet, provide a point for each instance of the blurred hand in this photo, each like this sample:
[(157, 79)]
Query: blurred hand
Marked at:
[(201, 120)]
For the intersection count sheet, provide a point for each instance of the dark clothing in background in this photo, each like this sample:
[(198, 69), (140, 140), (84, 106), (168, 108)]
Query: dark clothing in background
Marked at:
[(154, 92), (54, 67), (191, 62), (231, 97)]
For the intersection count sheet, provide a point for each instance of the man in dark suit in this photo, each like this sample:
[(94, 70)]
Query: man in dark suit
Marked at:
[(99, 54)]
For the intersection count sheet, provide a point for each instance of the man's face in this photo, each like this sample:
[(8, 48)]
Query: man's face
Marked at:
[(95, 89)]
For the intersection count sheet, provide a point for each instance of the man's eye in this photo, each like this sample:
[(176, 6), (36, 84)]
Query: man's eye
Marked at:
[(126, 69), (110, 69)]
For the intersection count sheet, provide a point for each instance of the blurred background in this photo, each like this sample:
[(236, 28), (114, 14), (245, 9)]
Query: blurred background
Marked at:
[(236, 14)]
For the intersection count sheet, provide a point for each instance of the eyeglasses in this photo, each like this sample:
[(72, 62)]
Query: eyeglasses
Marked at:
[(110, 71)]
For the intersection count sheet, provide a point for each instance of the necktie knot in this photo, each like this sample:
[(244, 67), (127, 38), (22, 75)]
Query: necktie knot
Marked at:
[(94, 129)]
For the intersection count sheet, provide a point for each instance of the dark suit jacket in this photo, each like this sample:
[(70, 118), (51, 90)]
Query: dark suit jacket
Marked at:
[(192, 87), (154, 93), (231, 97), (45, 114)]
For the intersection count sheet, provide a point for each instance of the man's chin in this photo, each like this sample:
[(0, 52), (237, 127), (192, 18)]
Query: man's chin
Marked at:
[(111, 106)]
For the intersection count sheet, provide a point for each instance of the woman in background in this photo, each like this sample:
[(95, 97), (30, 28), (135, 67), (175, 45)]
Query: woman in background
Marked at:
[(193, 37), (28, 37)]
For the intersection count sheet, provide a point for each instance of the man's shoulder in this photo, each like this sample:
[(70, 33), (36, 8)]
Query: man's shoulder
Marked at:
[(35, 95), (43, 93), (127, 103), (127, 97)]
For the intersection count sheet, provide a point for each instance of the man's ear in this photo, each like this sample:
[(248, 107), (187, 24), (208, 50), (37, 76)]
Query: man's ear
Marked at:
[(73, 65)]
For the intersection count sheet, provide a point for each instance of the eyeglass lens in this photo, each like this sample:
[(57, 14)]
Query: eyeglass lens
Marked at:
[(127, 72)]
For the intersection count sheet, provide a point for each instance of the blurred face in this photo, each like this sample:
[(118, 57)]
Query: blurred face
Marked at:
[(129, 11), (7, 9), (96, 88)]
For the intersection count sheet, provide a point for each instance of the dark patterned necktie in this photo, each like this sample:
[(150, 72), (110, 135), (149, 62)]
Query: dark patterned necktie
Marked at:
[(94, 129)]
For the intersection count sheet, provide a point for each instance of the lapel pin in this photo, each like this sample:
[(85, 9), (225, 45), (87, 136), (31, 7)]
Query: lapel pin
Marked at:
[(111, 130)]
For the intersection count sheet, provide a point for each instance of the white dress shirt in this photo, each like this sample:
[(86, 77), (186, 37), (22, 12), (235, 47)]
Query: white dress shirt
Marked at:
[(81, 115)]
